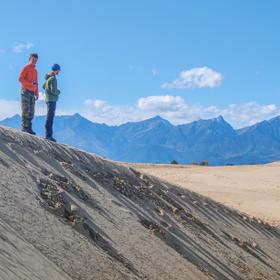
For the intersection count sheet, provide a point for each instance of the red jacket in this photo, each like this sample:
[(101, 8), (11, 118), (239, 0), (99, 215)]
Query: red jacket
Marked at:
[(28, 78)]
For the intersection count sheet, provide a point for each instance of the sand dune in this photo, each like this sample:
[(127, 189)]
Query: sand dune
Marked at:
[(20, 260), (66, 214), (253, 189)]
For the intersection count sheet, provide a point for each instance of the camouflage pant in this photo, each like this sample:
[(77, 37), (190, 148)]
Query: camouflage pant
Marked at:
[(27, 108)]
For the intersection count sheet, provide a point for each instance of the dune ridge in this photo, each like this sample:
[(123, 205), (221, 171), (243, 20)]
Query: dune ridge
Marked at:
[(85, 217)]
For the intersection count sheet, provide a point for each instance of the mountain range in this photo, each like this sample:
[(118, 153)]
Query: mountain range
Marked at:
[(156, 140)]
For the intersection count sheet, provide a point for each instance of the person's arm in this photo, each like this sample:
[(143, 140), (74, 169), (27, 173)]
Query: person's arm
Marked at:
[(36, 92), (53, 86)]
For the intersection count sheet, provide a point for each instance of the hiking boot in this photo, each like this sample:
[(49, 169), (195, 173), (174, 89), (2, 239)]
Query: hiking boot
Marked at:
[(32, 132), (28, 130), (50, 139)]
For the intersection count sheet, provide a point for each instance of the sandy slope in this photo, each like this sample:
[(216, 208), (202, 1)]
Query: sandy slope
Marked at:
[(66, 214), (20, 260), (253, 189)]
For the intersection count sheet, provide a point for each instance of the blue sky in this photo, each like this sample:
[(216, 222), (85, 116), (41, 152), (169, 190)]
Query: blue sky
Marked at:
[(130, 60)]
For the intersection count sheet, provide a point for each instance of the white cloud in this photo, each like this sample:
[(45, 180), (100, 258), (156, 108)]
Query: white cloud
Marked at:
[(41, 97), (202, 77), (8, 108), (102, 112), (177, 111), (99, 104), (40, 105), (160, 103), (249, 113), (172, 108), (155, 72), (20, 47)]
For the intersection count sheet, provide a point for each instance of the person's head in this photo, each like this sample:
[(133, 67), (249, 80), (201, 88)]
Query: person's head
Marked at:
[(56, 69), (33, 57)]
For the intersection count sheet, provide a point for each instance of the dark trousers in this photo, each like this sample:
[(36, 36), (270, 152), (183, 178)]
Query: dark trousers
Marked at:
[(51, 106), (27, 108)]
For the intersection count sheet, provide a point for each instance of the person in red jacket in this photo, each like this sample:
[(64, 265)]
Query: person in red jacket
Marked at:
[(28, 79)]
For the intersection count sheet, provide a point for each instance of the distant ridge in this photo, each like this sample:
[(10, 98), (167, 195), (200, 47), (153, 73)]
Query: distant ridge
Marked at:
[(156, 140)]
